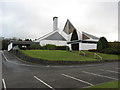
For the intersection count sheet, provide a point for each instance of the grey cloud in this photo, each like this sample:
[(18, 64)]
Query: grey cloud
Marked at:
[(34, 19)]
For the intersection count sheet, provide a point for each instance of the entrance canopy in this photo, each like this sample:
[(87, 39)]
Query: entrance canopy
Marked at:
[(81, 41)]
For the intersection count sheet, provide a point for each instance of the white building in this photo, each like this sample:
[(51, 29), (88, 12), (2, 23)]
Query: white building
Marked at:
[(69, 36)]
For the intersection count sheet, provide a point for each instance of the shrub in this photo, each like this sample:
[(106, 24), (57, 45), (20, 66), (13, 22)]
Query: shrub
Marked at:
[(62, 48), (35, 46), (99, 46), (54, 47), (50, 47), (114, 45), (102, 44), (111, 51)]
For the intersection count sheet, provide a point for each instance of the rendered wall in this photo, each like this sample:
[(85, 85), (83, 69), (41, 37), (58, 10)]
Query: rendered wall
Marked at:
[(82, 46), (10, 46), (87, 46), (55, 42)]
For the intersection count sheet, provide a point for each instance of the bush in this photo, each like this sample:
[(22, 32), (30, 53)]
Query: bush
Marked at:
[(114, 45), (54, 47), (99, 46), (35, 46), (111, 51), (102, 44), (62, 48), (50, 47)]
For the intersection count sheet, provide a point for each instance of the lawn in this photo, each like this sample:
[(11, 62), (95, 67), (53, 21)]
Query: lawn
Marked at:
[(56, 55), (104, 56), (112, 84)]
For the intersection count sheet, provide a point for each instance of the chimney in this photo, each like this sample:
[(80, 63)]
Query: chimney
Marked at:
[(55, 23)]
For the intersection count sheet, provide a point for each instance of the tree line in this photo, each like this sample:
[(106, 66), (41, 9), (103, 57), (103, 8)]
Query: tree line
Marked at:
[(104, 46)]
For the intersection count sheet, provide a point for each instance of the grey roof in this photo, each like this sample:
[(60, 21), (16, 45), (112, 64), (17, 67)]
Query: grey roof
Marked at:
[(55, 36), (90, 36), (68, 28)]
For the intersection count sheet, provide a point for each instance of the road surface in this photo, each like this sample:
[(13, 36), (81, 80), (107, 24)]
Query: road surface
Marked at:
[(19, 74)]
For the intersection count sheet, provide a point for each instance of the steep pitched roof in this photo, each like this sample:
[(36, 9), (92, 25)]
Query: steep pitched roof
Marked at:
[(68, 28), (55, 36), (88, 36)]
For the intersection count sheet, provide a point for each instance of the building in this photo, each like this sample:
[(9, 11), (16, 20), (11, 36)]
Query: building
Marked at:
[(69, 36), (19, 44)]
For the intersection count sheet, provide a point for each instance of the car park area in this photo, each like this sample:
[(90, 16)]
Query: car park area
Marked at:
[(20, 74)]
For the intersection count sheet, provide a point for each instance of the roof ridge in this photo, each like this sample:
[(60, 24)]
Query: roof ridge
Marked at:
[(47, 34)]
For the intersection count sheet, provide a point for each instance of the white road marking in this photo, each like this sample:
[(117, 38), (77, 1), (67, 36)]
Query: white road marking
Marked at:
[(78, 79), (14, 62), (44, 83), (4, 84), (5, 57), (109, 71), (100, 75)]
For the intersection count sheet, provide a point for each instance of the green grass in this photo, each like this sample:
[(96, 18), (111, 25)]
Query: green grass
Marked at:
[(111, 84), (104, 56), (61, 55), (56, 55)]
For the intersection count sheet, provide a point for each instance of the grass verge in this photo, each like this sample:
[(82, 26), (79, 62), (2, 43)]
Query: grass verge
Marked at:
[(111, 84), (56, 55), (104, 56)]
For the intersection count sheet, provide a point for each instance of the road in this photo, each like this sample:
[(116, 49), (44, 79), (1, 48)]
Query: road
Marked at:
[(0, 69), (19, 74)]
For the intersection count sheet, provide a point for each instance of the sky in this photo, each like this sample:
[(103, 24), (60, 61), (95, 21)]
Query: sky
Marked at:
[(34, 18)]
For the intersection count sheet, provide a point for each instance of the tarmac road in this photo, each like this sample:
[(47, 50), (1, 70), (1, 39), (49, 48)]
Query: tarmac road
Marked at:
[(19, 74)]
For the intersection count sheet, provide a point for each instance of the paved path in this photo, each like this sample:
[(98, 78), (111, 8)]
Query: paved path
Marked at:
[(19, 74)]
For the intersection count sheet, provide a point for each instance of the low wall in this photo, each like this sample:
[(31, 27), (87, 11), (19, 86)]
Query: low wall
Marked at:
[(46, 62)]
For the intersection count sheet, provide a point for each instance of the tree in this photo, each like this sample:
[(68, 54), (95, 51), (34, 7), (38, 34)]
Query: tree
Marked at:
[(28, 40), (5, 44), (102, 44), (19, 39), (34, 46)]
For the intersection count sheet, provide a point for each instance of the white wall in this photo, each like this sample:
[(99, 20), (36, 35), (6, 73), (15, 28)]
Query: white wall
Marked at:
[(87, 46), (10, 46), (55, 42), (82, 46), (55, 24)]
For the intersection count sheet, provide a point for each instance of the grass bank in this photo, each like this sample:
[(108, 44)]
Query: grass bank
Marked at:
[(104, 56), (56, 55), (111, 84)]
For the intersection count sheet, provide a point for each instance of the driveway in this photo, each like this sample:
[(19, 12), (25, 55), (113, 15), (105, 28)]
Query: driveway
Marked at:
[(20, 74)]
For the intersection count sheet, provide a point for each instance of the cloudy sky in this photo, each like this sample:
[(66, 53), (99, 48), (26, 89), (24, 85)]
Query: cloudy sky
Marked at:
[(33, 18)]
